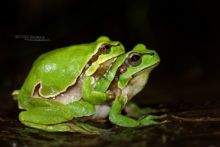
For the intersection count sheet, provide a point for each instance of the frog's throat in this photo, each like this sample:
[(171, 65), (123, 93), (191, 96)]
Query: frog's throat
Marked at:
[(134, 85)]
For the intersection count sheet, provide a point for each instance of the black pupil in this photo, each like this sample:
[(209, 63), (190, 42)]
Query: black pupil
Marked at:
[(135, 58), (107, 47)]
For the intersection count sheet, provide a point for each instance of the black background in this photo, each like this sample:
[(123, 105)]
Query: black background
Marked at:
[(186, 34)]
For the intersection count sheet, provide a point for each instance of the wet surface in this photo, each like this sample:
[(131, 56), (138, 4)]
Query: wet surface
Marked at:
[(176, 132)]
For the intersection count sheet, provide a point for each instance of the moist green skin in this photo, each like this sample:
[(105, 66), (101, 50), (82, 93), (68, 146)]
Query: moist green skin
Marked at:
[(55, 71)]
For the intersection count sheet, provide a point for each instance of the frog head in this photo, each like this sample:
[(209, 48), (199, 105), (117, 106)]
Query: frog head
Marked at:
[(133, 73), (108, 50)]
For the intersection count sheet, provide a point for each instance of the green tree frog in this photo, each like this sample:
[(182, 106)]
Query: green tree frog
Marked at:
[(93, 81)]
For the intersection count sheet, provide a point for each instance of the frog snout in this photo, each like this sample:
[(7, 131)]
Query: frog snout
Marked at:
[(152, 54)]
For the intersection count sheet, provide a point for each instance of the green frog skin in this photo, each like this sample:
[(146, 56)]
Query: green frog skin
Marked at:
[(93, 81)]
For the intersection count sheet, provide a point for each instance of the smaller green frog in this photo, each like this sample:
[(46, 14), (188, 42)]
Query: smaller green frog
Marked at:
[(69, 86)]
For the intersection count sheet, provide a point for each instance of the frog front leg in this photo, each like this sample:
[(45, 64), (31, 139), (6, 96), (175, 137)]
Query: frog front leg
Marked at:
[(117, 118), (92, 96)]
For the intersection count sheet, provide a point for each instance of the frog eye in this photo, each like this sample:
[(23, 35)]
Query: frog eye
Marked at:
[(105, 48), (134, 59)]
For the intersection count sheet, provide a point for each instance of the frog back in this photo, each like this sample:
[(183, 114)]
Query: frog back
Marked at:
[(53, 72)]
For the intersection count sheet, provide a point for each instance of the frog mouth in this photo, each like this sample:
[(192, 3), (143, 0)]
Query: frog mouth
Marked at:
[(153, 65), (147, 69)]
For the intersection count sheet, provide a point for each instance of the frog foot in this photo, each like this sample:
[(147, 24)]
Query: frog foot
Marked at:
[(89, 129), (153, 120), (67, 127)]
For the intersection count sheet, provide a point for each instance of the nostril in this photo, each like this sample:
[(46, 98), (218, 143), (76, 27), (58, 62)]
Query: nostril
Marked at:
[(151, 54)]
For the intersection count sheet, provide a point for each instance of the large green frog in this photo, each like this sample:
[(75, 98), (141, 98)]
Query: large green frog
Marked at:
[(93, 81)]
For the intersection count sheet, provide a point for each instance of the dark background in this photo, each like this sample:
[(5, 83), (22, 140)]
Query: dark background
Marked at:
[(186, 34)]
